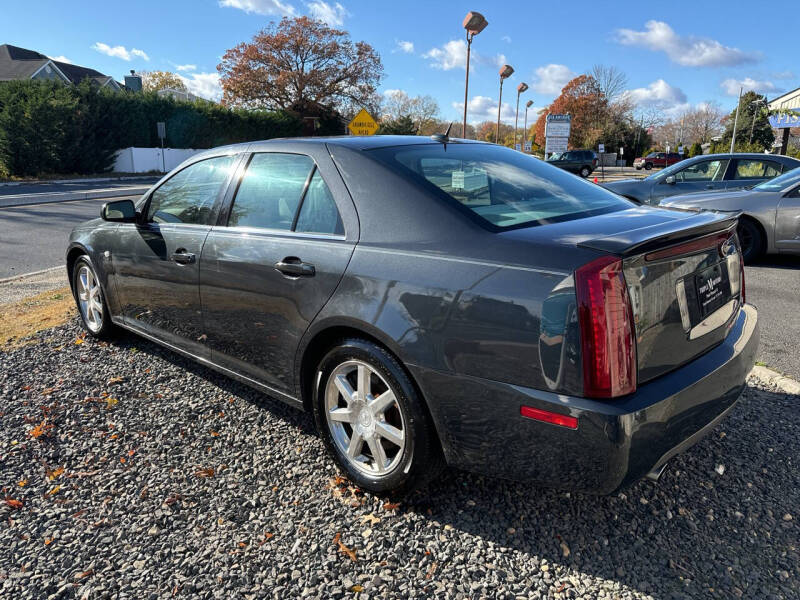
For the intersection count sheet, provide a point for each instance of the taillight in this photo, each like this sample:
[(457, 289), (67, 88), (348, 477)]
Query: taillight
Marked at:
[(607, 331)]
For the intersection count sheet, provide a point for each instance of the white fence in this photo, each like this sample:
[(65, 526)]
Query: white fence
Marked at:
[(144, 160)]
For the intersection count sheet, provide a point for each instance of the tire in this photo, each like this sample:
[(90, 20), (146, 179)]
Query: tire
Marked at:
[(648, 166), (585, 172), (90, 300), (398, 427), (638, 168), (751, 240)]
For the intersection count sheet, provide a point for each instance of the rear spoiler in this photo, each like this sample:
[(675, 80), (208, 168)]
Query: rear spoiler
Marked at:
[(646, 239)]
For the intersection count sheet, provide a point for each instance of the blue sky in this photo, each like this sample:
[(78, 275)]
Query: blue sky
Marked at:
[(675, 57)]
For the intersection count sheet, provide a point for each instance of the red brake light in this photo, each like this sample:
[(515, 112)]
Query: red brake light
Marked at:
[(703, 243), (549, 417), (607, 332)]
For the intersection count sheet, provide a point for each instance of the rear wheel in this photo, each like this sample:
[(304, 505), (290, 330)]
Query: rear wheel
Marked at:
[(373, 421), (648, 166), (91, 302), (585, 172), (751, 240)]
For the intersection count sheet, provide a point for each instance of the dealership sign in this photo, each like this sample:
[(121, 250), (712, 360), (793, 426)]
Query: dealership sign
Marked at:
[(784, 120), (556, 133)]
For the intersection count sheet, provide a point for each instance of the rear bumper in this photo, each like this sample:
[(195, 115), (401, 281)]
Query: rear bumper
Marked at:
[(616, 443)]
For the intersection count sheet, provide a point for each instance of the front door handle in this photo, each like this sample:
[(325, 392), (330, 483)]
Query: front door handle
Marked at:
[(294, 267), (182, 257)]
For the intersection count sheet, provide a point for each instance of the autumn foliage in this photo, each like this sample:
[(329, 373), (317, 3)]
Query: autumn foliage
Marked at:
[(584, 101)]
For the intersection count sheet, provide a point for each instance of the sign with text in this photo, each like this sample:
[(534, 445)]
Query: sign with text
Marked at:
[(784, 120), (557, 126), (363, 124), (601, 148), (555, 144), (528, 146)]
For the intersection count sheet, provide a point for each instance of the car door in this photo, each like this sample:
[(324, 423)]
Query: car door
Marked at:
[(156, 260), (273, 261), (787, 222), (747, 172), (700, 176)]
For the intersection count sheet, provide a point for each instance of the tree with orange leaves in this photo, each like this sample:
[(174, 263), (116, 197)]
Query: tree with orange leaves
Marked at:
[(582, 99), (299, 62)]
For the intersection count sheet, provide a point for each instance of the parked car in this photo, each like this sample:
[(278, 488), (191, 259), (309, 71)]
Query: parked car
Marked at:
[(580, 162), (770, 214), (706, 173), (656, 159), (519, 321)]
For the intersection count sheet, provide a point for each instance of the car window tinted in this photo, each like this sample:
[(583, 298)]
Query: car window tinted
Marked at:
[(270, 191), (778, 184), (501, 187), (756, 169), (318, 214), (706, 170), (188, 196)]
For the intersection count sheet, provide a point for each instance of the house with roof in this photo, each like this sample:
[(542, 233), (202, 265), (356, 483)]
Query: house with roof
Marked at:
[(19, 64)]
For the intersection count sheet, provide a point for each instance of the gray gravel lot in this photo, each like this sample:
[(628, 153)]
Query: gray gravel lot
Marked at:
[(178, 482)]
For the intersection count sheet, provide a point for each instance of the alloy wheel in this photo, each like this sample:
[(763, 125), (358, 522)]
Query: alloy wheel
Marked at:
[(364, 418), (90, 298)]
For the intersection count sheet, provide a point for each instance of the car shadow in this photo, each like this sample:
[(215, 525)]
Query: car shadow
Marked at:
[(777, 261), (712, 526)]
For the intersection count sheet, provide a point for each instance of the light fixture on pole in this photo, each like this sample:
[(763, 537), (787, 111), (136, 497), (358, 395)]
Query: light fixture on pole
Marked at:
[(520, 88), (505, 72), (528, 104), (474, 23)]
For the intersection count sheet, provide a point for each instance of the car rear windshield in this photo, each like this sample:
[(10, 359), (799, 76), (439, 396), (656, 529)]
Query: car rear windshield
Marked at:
[(503, 188)]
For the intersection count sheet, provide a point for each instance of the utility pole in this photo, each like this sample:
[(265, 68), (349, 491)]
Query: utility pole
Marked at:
[(736, 121)]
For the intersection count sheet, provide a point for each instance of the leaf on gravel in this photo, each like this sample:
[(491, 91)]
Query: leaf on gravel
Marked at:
[(16, 504), (370, 518), (115, 380), (564, 549), (51, 475), (391, 506), (431, 570), (48, 541), (337, 539), (207, 472), (40, 429), (214, 434), (356, 588), (111, 402), (54, 491), (22, 482), (79, 341)]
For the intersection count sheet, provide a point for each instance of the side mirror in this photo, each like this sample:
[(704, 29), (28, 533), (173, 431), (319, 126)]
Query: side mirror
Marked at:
[(670, 180), (121, 211)]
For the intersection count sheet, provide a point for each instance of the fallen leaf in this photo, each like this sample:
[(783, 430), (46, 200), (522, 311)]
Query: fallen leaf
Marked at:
[(51, 475), (131, 452), (84, 574), (337, 539), (22, 483), (17, 504), (431, 570), (564, 549), (207, 472), (356, 588), (54, 491), (242, 544), (214, 434), (391, 506), (122, 459), (79, 341), (115, 380), (40, 429), (48, 541), (370, 518), (111, 402)]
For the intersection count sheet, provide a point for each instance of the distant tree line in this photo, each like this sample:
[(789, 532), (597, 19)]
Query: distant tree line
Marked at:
[(47, 127)]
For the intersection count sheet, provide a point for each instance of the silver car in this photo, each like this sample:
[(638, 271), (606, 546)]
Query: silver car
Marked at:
[(770, 220), (709, 172)]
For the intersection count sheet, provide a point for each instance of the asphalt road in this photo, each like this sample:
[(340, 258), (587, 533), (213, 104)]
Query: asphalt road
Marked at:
[(72, 186), (34, 237)]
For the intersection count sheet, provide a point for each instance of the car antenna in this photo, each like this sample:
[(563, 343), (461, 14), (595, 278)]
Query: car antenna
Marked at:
[(443, 137)]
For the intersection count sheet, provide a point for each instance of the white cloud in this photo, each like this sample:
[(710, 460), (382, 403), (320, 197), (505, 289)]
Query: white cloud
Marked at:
[(551, 78), (483, 108), (506, 39), (62, 58), (454, 55), (731, 86), (689, 51), (658, 93), (119, 51), (185, 67), (261, 7), (393, 92), (205, 85), (333, 14), (404, 46)]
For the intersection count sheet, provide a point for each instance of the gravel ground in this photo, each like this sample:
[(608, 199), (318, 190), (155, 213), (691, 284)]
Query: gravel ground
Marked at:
[(129, 472)]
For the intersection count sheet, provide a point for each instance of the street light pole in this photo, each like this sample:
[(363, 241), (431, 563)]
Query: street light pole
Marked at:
[(528, 104), (474, 23), (505, 72), (520, 88)]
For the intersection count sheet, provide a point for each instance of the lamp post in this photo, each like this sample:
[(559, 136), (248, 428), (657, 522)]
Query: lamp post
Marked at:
[(505, 72), (520, 88), (528, 104), (474, 23)]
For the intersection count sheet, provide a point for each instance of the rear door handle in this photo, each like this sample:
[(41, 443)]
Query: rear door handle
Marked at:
[(294, 267), (182, 257)]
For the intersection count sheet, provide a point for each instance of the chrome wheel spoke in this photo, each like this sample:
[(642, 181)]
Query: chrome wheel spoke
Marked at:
[(344, 387), (90, 298), (378, 453), (363, 382), (390, 433), (379, 405), (342, 415), (356, 443)]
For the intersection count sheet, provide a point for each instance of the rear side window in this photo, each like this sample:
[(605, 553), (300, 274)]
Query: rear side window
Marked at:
[(756, 169), (318, 213), (188, 196), (499, 186)]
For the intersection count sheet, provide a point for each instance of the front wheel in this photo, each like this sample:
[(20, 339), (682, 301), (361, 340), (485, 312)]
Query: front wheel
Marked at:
[(373, 421), (750, 239), (89, 298), (585, 172)]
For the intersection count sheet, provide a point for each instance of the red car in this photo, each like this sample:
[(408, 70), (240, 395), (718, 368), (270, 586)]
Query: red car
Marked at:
[(657, 159)]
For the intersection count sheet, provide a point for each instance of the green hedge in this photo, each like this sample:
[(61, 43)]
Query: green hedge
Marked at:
[(47, 127)]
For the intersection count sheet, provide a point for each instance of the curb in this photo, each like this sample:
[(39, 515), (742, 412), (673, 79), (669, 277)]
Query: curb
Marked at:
[(48, 198), (770, 377), (33, 274), (90, 180)]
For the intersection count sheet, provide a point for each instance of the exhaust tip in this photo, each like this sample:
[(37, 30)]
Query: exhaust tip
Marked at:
[(655, 474)]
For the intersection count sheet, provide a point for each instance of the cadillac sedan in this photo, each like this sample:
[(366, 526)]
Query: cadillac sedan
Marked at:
[(435, 301), (770, 214)]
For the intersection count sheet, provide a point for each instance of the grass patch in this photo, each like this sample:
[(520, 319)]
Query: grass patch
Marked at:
[(19, 320)]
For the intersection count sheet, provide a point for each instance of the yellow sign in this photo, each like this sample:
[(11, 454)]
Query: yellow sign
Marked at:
[(363, 124)]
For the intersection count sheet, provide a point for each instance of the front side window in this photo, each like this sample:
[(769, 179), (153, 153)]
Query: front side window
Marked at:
[(756, 169), (188, 197), (501, 187), (706, 170)]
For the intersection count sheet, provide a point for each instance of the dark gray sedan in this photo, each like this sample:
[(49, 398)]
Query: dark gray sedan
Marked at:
[(770, 214), (706, 173), (435, 301)]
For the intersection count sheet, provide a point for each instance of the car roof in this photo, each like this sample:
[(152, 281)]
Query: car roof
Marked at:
[(754, 155), (349, 141)]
